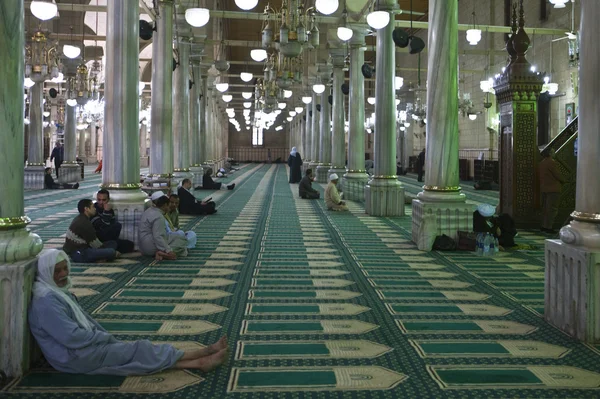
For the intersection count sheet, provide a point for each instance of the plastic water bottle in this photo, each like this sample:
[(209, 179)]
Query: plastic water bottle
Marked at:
[(496, 245), (486, 245), (492, 245), (479, 245)]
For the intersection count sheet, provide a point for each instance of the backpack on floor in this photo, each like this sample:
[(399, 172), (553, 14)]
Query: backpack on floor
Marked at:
[(444, 243)]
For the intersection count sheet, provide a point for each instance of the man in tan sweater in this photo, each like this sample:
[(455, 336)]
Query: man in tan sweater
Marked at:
[(333, 199), (551, 182)]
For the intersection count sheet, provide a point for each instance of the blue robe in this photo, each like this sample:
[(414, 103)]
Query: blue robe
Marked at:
[(70, 348)]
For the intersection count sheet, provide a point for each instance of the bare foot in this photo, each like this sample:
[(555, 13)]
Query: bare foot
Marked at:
[(211, 362), (217, 346)]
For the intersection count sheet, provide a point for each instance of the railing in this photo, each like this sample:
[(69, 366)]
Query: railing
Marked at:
[(258, 154)]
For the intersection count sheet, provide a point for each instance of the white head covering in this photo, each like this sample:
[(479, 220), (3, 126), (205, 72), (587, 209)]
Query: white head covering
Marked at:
[(293, 152), (44, 283), (486, 210), (156, 195), (333, 176)]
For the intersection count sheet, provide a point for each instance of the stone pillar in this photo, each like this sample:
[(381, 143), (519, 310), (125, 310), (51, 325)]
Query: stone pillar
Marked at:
[(338, 135), (202, 127), (143, 145), (315, 134), (18, 247), (356, 176), (93, 157), (441, 208), (324, 128), (194, 127), (384, 194), (34, 172), (573, 263), (121, 170), (161, 111), (181, 110), (81, 144), (517, 91), (307, 143), (70, 171)]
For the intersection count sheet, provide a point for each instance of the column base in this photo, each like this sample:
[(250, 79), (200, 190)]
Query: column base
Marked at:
[(313, 165), (34, 177), (197, 172), (179, 175), (354, 186), (17, 345), (18, 244), (434, 218), (128, 206), (91, 159), (384, 197), (69, 173), (321, 174), (572, 290), (581, 234), (144, 162)]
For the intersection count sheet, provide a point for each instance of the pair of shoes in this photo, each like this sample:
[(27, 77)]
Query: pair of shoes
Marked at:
[(76, 185), (231, 186)]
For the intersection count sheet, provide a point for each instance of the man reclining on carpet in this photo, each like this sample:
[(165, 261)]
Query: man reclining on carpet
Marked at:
[(73, 342)]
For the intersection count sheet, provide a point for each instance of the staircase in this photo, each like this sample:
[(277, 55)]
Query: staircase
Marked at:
[(564, 145)]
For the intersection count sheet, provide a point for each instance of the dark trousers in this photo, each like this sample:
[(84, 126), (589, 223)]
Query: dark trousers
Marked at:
[(112, 233), (214, 186), (89, 255), (550, 203), (199, 209), (420, 174), (57, 166), (64, 186), (315, 195)]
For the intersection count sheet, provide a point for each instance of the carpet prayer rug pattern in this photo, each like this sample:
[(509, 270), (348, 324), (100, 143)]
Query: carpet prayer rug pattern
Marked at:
[(320, 304)]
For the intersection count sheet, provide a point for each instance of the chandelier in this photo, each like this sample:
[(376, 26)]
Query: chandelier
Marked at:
[(41, 59), (78, 86)]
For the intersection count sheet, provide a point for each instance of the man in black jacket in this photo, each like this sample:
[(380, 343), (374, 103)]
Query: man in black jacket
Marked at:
[(49, 183), (189, 205), (58, 155), (105, 223), (305, 189)]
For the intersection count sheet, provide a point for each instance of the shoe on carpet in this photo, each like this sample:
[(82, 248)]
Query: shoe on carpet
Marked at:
[(76, 185), (231, 186)]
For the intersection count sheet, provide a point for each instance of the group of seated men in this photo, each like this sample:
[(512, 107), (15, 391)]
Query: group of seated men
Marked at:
[(333, 198), (94, 234)]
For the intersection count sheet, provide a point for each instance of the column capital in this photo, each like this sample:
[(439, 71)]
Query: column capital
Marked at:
[(358, 36), (338, 57)]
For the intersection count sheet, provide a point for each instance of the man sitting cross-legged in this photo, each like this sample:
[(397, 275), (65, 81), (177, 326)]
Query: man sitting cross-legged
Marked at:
[(73, 342), (81, 242), (153, 237), (49, 183), (305, 189), (172, 217), (189, 205), (105, 222)]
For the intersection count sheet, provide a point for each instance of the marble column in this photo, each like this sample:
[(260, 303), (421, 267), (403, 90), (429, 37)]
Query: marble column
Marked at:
[(307, 143), (92, 157), (34, 172), (194, 127), (324, 128), (121, 170), (18, 247), (356, 176), (70, 171), (81, 144), (181, 110), (202, 127), (209, 127), (161, 111), (384, 194), (441, 208), (144, 145), (315, 134), (338, 134), (572, 294)]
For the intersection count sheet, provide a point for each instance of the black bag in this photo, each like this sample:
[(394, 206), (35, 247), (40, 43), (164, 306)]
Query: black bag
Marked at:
[(444, 243)]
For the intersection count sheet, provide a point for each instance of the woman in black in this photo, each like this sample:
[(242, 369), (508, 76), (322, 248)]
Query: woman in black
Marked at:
[(295, 162)]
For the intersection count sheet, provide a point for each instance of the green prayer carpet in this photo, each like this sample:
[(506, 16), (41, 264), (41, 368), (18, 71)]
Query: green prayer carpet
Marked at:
[(320, 304)]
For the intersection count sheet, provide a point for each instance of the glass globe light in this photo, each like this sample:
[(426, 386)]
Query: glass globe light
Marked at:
[(327, 7), (378, 19), (287, 93), (71, 51), (307, 99), (46, 114), (247, 104), (247, 95), (344, 33), (319, 88), (227, 97), (558, 3), (398, 82), (292, 113), (472, 116), (281, 105), (258, 54), (71, 102), (289, 118), (246, 4), (222, 87), (197, 17), (298, 110), (43, 10), (28, 82), (473, 36), (246, 76), (371, 100), (141, 86)]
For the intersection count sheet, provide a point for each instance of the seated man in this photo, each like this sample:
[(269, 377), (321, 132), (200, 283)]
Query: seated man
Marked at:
[(105, 222), (172, 217), (502, 227), (49, 183), (81, 242), (305, 189), (189, 205), (73, 342), (153, 238), (209, 184), (333, 199)]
